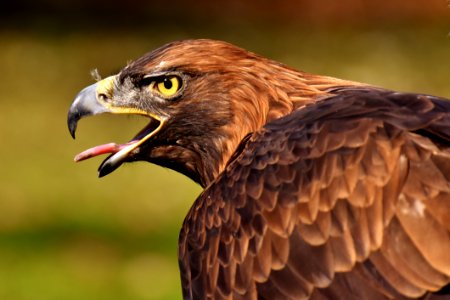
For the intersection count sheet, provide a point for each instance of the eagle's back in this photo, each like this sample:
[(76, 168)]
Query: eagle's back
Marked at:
[(347, 198)]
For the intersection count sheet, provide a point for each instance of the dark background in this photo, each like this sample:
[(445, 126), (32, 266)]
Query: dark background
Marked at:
[(135, 13), (64, 234)]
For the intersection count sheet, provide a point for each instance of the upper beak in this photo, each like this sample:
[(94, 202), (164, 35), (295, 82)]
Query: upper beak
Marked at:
[(87, 102)]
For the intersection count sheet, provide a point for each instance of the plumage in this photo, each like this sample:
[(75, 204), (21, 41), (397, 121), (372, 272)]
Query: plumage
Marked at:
[(314, 187)]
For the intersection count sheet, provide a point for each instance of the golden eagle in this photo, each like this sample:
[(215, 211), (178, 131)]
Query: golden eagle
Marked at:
[(314, 187)]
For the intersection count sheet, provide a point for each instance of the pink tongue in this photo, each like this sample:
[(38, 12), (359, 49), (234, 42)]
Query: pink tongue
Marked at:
[(102, 149)]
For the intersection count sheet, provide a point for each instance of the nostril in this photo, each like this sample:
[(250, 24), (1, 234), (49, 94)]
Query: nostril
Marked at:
[(103, 97)]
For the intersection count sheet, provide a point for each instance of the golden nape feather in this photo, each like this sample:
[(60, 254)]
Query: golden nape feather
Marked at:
[(314, 187)]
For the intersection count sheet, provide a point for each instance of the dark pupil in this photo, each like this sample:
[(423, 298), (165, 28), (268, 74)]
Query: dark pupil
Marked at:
[(167, 83)]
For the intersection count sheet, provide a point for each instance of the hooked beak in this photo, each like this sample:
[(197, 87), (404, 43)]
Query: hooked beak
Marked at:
[(97, 99), (86, 104)]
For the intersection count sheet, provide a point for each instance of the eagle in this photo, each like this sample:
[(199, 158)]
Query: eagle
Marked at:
[(314, 187)]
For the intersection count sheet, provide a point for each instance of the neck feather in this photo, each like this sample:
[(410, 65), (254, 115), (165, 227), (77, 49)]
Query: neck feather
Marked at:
[(266, 95)]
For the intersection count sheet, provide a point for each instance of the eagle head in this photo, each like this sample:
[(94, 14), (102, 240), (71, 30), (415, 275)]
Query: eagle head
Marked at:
[(202, 97)]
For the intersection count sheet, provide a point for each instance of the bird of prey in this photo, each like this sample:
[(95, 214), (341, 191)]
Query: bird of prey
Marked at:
[(314, 187)]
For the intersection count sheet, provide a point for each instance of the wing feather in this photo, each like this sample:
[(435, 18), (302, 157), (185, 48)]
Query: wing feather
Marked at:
[(347, 198)]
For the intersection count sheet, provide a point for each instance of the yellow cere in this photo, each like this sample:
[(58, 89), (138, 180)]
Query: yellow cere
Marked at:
[(106, 86), (168, 86)]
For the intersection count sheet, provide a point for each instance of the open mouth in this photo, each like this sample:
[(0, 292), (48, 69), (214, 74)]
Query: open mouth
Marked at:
[(120, 152), (96, 99)]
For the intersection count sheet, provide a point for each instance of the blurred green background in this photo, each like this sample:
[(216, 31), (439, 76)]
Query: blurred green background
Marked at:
[(64, 233)]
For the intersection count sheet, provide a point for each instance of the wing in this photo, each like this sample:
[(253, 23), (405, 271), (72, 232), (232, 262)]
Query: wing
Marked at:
[(348, 198)]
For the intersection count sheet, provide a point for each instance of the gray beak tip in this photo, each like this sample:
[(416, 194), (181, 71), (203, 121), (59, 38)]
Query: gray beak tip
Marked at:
[(72, 121)]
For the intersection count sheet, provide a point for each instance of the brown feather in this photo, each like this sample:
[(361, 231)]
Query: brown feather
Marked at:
[(357, 205)]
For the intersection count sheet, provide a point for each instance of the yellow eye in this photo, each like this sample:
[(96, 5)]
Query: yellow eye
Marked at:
[(168, 86)]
